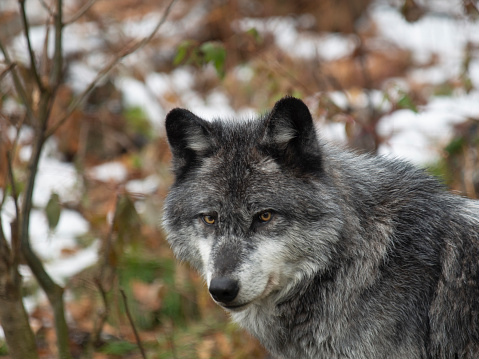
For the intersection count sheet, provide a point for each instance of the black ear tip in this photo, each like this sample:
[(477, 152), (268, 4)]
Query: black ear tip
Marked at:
[(291, 104), (175, 115), (293, 108), (178, 119), (290, 100)]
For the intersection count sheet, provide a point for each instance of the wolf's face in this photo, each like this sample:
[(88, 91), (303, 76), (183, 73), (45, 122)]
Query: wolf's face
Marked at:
[(248, 201)]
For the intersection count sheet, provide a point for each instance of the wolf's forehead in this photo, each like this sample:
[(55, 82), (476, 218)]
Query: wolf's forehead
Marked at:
[(237, 175), (243, 163)]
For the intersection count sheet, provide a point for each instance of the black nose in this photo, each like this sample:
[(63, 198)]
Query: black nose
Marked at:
[(224, 289)]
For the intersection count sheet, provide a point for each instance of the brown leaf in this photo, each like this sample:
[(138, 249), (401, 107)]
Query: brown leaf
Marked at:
[(150, 296), (205, 348)]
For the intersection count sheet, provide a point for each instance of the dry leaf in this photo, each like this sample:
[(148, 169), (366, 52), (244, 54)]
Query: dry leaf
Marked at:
[(150, 296)]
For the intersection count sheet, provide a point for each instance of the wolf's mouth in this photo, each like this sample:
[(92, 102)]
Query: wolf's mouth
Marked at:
[(238, 307), (270, 286)]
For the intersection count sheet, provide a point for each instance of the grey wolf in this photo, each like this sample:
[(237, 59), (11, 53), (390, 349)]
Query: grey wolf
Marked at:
[(320, 252)]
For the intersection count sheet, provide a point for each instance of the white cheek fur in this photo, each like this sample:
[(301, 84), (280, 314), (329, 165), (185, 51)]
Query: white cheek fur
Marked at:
[(205, 250)]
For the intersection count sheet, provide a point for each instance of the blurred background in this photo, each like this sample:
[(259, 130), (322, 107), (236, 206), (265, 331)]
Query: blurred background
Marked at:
[(82, 114)]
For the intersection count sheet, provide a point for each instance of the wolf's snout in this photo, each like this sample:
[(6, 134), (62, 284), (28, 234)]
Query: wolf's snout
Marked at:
[(224, 289)]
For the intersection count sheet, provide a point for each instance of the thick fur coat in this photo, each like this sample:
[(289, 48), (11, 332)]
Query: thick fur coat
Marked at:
[(320, 252)]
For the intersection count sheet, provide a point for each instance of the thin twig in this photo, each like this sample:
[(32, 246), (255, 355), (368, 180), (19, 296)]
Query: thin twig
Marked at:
[(4, 247), (45, 60), (17, 136), (109, 238), (7, 70), (103, 315), (282, 69), (130, 319), (103, 72), (12, 183), (80, 13), (26, 28), (15, 238), (47, 8), (18, 84), (55, 76)]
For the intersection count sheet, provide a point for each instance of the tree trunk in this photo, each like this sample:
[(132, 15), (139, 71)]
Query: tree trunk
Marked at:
[(13, 317)]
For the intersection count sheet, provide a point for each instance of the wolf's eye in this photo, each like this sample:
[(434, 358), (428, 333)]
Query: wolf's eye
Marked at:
[(265, 216), (208, 219)]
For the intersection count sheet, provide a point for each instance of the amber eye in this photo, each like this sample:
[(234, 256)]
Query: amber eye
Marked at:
[(265, 216), (208, 219)]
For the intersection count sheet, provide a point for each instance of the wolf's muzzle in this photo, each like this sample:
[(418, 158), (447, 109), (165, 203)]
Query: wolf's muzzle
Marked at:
[(224, 289)]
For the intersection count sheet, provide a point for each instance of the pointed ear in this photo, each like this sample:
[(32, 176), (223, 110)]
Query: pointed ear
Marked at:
[(188, 136), (291, 137)]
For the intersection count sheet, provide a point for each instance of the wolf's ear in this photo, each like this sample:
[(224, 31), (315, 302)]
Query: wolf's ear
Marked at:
[(290, 135), (188, 136)]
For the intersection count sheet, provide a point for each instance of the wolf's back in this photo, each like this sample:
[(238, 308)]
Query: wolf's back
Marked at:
[(427, 245)]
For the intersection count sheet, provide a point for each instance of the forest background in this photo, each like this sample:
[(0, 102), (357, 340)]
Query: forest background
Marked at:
[(85, 271)]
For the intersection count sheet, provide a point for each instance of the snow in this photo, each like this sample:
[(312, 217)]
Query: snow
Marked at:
[(304, 45), (331, 132), (109, 171), (244, 73), (55, 176), (135, 93), (445, 36), (49, 245), (80, 75), (144, 186), (76, 38), (419, 136), (474, 73), (64, 268), (215, 106)]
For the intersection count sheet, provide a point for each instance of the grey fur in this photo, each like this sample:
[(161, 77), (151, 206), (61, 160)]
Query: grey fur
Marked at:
[(364, 257)]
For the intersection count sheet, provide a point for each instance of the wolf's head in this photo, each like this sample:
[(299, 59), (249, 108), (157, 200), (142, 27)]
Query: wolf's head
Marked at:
[(252, 207)]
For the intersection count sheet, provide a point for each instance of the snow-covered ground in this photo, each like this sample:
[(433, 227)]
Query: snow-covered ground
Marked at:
[(417, 137)]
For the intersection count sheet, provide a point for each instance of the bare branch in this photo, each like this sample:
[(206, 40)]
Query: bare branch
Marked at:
[(80, 12), (15, 224), (130, 319), (12, 183), (18, 84), (47, 8), (53, 291), (45, 62), (103, 72), (7, 70), (4, 247), (155, 30), (18, 333), (17, 137), (104, 276), (102, 315), (55, 77), (26, 28)]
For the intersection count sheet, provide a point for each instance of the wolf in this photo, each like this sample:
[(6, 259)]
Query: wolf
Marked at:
[(318, 251)]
